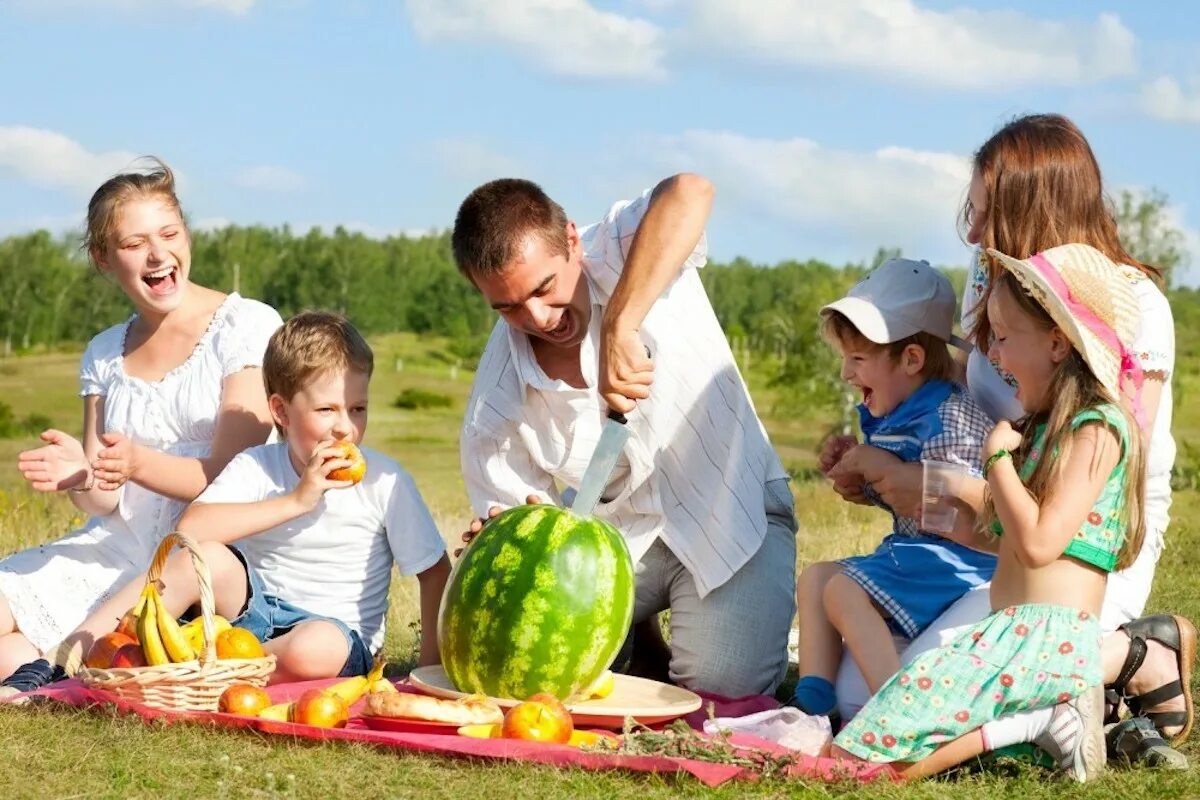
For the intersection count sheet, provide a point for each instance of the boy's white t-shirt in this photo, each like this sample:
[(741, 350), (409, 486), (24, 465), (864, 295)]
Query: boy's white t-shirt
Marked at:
[(336, 560)]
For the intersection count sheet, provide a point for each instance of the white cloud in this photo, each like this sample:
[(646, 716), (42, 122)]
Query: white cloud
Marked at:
[(1165, 99), (48, 158), (960, 48), (566, 37), (238, 7), (847, 200), (269, 178), (472, 160)]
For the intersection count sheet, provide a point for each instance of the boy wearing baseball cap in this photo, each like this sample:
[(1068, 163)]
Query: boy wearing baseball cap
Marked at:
[(892, 331)]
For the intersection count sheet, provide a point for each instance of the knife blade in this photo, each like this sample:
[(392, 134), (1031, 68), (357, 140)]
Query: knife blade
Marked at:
[(613, 435)]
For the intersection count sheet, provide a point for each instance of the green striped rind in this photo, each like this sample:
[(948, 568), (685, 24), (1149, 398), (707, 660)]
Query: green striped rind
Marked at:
[(540, 601)]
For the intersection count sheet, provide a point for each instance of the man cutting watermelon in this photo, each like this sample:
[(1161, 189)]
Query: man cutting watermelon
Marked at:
[(612, 319)]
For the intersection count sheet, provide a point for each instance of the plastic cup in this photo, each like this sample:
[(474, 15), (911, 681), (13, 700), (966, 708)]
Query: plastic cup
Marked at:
[(941, 482)]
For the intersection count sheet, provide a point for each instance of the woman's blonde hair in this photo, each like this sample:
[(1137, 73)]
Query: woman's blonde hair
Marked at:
[(1074, 388), (155, 180)]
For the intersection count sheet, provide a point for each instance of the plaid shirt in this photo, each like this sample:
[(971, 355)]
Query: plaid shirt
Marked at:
[(959, 428)]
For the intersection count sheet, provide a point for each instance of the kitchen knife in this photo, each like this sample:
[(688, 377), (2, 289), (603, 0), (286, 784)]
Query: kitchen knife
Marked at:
[(612, 438)]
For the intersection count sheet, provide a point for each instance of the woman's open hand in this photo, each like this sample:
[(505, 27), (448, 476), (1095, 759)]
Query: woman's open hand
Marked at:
[(59, 464)]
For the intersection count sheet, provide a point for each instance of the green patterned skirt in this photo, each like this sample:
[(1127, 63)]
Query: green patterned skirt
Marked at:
[(1020, 657)]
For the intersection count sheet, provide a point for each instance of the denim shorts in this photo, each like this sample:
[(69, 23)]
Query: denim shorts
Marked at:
[(915, 578), (268, 617)]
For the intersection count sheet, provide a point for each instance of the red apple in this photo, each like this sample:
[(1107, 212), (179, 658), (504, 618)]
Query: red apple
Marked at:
[(129, 655), (538, 720)]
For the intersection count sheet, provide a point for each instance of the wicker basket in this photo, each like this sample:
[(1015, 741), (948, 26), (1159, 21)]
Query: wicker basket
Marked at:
[(187, 685)]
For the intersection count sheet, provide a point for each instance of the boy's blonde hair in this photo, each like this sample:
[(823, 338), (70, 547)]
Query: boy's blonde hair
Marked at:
[(310, 344), (839, 331)]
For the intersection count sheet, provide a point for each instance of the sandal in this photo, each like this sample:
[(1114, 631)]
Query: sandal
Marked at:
[(1136, 742), (31, 676), (1175, 633)]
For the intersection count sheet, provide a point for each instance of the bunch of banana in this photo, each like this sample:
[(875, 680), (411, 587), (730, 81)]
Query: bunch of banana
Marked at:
[(163, 641)]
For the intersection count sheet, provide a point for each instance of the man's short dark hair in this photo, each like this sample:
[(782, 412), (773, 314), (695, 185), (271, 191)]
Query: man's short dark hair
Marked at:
[(494, 220)]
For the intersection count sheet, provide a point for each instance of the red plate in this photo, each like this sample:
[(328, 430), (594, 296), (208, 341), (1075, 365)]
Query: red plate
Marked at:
[(402, 725)]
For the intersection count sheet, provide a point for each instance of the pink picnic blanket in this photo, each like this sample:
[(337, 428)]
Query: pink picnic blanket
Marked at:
[(72, 692)]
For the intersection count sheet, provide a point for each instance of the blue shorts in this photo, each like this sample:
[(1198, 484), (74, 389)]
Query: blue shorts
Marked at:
[(268, 617), (915, 578)]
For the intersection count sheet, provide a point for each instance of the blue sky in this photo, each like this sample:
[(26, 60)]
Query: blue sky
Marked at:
[(830, 127)]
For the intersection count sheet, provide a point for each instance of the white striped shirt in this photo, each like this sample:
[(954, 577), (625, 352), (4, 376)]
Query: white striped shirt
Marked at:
[(693, 468)]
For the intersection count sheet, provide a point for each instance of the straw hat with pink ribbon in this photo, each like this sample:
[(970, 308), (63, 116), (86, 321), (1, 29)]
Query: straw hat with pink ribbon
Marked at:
[(1090, 300)]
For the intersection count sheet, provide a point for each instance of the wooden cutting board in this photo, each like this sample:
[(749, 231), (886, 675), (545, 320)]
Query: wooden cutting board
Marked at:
[(645, 700)]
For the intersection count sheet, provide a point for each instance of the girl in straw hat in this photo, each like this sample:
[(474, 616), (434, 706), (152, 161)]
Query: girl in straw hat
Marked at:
[(1065, 490)]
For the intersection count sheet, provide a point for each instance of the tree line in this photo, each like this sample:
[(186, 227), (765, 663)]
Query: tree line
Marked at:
[(50, 295)]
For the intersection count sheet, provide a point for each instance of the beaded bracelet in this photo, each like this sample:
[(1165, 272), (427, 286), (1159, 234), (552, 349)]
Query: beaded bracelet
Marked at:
[(996, 456)]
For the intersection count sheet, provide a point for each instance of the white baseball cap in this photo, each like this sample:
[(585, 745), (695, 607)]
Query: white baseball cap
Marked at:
[(900, 298)]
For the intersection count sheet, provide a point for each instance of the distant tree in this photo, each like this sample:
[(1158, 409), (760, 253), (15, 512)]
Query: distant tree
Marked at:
[(883, 254), (1147, 232)]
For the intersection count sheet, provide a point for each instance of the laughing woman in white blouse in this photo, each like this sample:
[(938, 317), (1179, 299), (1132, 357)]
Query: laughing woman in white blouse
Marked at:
[(169, 396), (615, 316)]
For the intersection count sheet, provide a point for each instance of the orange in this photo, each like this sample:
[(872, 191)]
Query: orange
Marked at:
[(350, 452), (100, 655), (238, 643), (242, 698), (322, 709)]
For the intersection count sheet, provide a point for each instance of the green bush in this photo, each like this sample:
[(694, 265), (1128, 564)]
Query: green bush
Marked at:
[(10, 428), (13, 428), (414, 398)]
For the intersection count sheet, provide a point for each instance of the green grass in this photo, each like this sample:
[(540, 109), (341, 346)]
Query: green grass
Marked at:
[(55, 752)]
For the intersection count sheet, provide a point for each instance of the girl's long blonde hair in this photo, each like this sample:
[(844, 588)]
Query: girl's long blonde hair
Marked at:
[(1074, 388)]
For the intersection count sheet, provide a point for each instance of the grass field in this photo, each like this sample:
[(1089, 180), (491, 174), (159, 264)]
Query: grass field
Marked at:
[(52, 753)]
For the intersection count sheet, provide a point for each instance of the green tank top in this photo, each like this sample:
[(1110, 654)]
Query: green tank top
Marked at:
[(1098, 541)]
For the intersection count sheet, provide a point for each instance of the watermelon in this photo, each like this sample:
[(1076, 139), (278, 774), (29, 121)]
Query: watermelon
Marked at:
[(540, 601)]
